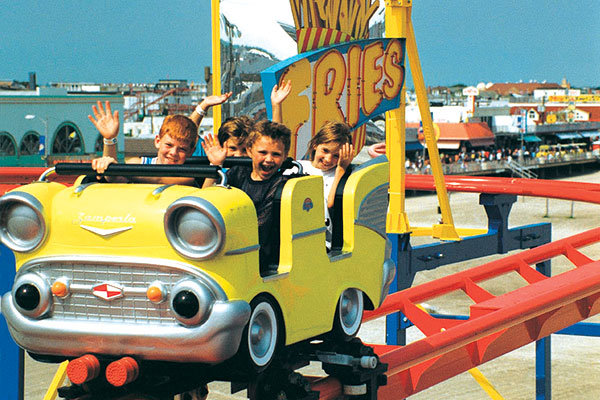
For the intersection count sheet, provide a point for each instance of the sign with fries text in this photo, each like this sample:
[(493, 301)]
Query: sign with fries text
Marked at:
[(350, 82)]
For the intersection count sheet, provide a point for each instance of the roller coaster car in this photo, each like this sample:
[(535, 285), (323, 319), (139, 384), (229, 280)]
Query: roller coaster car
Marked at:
[(171, 272)]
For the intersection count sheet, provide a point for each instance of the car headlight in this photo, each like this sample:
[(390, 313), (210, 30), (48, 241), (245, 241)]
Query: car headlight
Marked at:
[(195, 228), (22, 222), (191, 302), (32, 295)]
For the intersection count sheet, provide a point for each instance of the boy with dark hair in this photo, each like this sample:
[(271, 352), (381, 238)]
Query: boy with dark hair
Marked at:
[(268, 145), (233, 134)]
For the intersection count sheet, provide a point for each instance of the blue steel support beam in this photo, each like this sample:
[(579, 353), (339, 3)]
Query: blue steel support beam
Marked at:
[(499, 239), (543, 353), (582, 329), (11, 357)]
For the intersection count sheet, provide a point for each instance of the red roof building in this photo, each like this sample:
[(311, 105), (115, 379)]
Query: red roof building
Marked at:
[(454, 135)]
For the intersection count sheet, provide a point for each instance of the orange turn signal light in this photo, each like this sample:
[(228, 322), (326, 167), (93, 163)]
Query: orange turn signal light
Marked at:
[(156, 293), (60, 289)]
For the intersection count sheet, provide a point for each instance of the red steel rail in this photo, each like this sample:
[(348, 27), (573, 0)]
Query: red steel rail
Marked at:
[(497, 324), (578, 191)]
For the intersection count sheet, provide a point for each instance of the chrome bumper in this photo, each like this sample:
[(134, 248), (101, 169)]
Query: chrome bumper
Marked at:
[(214, 341), (389, 273)]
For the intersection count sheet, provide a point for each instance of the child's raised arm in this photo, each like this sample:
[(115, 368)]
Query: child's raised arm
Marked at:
[(278, 95), (215, 153), (107, 124), (205, 104)]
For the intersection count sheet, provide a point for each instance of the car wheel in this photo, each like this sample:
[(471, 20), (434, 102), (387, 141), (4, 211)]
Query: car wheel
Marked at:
[(348, 314), (261, 336)]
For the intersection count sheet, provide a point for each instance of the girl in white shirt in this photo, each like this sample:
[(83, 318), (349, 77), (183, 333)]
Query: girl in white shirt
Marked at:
[(331, 152)]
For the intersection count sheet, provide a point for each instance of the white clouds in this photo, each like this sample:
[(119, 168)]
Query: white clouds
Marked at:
[(258, 22)]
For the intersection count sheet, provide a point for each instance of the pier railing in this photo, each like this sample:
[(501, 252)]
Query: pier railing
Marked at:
[(481, 167)]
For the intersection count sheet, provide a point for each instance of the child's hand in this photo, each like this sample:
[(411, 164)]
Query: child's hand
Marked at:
[(215, 153), (279, 93), (346, 156), (105, 120), (100, 164), (214, 100)]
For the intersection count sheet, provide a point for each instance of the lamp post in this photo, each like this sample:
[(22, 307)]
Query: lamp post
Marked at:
[(523, 130), (43, 151)]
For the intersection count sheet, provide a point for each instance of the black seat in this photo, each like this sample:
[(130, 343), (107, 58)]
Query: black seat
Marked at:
[(336, 213)]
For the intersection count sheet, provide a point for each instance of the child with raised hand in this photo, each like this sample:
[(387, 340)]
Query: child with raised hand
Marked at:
[(230, 141), (234, 131), (175, 142), (268, 145), (331, 153)]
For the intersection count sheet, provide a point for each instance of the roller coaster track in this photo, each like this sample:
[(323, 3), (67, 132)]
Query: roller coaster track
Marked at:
[(576, 191), (497, 324)]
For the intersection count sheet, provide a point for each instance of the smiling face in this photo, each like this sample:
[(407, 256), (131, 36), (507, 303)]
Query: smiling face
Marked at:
[(326, 156), (172, 151), (267, 156)]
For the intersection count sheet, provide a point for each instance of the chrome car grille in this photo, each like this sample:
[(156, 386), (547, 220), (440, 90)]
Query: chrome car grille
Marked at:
[(133, 307)]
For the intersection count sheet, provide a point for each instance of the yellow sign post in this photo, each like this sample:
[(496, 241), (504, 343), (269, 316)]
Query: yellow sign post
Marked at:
[(399, 24), (215, 19)]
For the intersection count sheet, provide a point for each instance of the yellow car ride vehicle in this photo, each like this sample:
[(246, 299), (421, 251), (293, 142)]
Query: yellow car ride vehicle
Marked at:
[(171, 273)]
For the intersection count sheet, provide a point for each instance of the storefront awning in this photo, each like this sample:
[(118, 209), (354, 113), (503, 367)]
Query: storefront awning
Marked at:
[(413, 146), (448, 144), (568, 135), (531, 138), (481, 142), (590, 134)]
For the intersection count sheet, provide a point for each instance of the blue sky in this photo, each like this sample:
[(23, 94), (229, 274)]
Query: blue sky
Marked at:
[(460, 41)]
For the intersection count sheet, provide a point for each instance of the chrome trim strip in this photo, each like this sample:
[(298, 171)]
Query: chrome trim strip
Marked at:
[(389, 273), (275, 277), (105, 232), (134, 261), (79, 189), (339, 256), (76, 288), (45, 174), (243, 250), (298, 165), (158, 191), (308, 233), (223, 176), (212, 342)]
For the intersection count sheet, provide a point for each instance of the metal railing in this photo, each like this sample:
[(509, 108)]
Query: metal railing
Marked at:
[(520, 170), (525, 166)]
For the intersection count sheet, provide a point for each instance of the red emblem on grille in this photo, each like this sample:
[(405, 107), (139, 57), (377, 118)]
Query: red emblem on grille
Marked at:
[(107, 291)]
